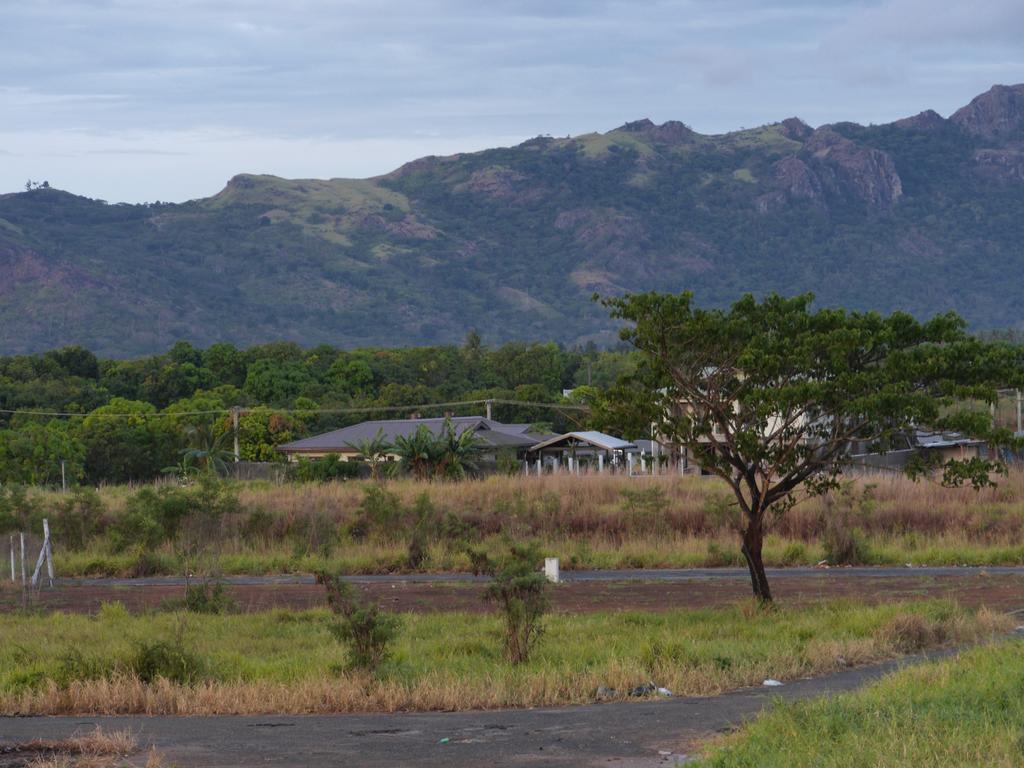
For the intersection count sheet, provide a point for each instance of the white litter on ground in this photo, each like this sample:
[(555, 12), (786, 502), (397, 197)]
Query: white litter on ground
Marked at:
[(771, 683)]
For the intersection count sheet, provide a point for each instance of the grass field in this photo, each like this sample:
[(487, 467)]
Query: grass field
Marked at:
[(589, 522), (287, 662), (963, 712)]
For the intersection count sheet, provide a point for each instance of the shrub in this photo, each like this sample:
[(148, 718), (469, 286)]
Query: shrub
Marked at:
[(646, 507), (171, 661), (521, 593), (207, 597), (73, 666), (426, 521), (794, 553), (361, 626), (720, 558), (380, 510), (17, 509), (330, 467), (508, 464), (149, 564), (151, 517), (77, 518), (910, 632), (843, 542), (257, 526)]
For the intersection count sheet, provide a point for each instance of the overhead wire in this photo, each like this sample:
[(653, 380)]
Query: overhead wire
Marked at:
[(324, 411)]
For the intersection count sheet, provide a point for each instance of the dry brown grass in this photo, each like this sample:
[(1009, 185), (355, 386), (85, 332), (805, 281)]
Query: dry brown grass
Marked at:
[(595, 505), (95, 749)]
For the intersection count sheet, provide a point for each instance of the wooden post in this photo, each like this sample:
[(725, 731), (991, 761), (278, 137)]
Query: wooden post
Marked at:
[(600, 463), (13, 577), (23, 559)]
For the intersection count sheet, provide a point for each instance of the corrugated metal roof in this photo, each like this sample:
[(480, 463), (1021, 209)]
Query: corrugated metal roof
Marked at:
[(493, 433), (596, 439)]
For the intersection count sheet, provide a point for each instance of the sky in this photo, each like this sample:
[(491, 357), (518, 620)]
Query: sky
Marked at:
[(129, 100)]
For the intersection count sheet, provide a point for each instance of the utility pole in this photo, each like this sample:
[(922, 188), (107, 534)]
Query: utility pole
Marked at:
[(488, 405), (63, 478), (235, 410), (1020, 427)]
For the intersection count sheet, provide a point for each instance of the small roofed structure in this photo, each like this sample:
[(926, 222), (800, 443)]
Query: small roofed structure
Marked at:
[(596, 449)]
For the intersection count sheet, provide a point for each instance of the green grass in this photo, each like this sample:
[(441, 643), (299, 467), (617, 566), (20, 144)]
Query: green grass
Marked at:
[(63, 662), (963, 712)]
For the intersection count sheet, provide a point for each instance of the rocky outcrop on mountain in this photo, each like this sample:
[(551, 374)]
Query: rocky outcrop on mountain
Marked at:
[(830, 165), (843, 166), (670, 132), (996, 114), (929, 120), (796, 129), (493, 181), (1006, 164)]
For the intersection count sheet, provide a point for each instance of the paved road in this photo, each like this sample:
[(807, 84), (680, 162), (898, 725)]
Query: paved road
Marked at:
[(627, 734), (677, 574)]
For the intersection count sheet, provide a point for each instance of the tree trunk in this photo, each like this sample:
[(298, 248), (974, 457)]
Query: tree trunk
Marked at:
[(753, 541)]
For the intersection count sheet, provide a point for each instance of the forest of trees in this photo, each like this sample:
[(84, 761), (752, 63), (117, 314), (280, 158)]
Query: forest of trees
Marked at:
[(112, 421)]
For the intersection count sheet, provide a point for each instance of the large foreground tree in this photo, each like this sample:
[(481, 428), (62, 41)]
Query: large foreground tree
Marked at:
[(769, 395)]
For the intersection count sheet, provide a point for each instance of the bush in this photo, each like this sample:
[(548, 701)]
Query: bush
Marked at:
[(646, 507), (508, 464), (171, 661), (77, 518), (521, 593), (909, 632), (720, 558), (18, 510), (257, 526), (206, 597), (361, 626), (380, 511), (426, 522), (156, 515), (794, 553), (151, 564), (73, 666), (843, 542), (151, 517), (330, 467)]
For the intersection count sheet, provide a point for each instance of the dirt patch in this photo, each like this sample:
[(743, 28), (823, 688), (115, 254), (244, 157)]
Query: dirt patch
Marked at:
[(999, 591)]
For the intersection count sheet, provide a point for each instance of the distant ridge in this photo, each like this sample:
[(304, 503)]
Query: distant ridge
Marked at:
[(925, 214)]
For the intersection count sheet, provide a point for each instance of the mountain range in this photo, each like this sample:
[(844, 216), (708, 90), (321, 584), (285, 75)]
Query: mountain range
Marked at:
[(925, 214)]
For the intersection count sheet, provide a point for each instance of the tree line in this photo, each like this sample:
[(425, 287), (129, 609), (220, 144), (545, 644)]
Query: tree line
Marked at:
[(112, 421)]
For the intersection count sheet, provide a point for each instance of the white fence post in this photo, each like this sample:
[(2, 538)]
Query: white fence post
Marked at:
[(551, 570)]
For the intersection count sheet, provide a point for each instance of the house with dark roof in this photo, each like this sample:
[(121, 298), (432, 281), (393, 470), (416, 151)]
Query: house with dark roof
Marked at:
[(494, 436)]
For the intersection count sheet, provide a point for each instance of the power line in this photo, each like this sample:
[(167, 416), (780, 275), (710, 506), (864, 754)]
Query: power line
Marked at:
[(325, 411)]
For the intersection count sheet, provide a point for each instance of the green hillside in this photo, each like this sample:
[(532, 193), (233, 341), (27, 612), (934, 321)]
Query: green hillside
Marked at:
[(925, 214)]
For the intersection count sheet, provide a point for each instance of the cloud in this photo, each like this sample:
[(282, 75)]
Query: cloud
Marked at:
[(387, 75)]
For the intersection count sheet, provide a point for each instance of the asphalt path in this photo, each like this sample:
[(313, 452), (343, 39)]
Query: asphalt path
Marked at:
[(676, 574), (636, 734)]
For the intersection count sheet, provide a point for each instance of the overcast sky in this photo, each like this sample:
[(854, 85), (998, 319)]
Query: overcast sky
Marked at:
[(129, 100)]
